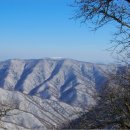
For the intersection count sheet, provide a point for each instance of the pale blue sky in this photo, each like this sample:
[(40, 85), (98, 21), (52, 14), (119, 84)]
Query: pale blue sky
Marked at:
[(42, 28)]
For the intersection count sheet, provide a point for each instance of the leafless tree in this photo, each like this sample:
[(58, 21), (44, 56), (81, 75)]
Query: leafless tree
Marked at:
[(113, 107), (5, 108), (101, 12), (115, 99)]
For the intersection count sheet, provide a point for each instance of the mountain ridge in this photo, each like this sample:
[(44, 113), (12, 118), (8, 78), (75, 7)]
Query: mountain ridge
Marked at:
[(63, 83), (37, 76)]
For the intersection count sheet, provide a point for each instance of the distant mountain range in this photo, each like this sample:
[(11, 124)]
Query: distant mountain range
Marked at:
[(47, 93)]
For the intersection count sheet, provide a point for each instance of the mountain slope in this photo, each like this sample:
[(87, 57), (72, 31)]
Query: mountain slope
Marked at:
[(27, 112), (66, 85)]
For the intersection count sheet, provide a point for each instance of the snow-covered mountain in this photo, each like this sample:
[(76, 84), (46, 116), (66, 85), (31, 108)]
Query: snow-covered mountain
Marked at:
[(47, 93)]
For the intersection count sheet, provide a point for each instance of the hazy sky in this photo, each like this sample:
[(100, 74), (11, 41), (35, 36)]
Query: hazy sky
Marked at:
[(43, 28)]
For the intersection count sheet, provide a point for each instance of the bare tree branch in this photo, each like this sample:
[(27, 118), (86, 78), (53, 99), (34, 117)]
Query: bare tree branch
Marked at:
[(101, 12)]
